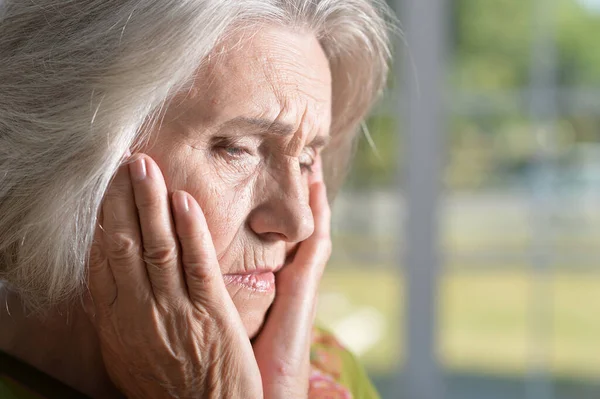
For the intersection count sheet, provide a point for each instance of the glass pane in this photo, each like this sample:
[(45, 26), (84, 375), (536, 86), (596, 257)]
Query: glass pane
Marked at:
[(361, 297), (519, 221)]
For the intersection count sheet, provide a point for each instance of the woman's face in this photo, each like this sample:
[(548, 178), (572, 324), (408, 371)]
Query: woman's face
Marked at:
[(242, 142)]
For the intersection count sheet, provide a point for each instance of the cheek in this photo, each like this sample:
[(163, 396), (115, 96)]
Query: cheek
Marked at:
[(226, 212), (225, 203), (225, 207)]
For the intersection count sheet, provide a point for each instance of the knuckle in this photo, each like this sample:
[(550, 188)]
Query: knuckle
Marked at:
[(161, 255), (96, 255), (284, 369), (149, 201), (189, 236), (117, 191), (196, 248), (199, 273), (113, 194), (121, 246)]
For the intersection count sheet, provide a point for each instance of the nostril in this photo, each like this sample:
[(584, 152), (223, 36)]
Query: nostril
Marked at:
[(279, 237), (287, 219)]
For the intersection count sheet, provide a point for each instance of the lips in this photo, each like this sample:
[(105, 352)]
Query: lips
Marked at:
[(259, 280)]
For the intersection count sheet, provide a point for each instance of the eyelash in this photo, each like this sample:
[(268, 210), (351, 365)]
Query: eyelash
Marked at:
[(235, 152), (231, 148)]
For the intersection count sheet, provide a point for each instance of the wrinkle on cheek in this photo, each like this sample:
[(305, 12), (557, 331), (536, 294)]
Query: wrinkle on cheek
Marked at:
[(232, 207), (234, 290), (186, 167)]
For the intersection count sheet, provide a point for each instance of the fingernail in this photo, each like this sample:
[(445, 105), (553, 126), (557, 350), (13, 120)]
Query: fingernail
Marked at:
[(138, 169), (181, 202)]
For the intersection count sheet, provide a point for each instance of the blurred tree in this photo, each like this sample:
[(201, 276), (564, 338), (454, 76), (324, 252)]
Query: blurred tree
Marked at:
[(490, 54), (578, 45), (376, 154), (490, 49)]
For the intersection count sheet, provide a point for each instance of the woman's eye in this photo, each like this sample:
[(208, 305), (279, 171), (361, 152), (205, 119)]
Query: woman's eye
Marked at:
[(235, 151), (234, 148)]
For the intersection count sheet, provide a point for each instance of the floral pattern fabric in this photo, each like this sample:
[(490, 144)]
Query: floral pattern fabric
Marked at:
[(335, 372)]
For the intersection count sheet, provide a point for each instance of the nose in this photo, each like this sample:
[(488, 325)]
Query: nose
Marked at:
[(283, 212)]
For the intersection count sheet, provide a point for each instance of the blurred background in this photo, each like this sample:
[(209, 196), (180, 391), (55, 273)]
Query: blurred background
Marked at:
[(467, 238)]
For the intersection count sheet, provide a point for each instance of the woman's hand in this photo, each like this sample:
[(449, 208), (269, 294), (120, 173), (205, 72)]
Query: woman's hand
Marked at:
[(166, 323), (283, 346)]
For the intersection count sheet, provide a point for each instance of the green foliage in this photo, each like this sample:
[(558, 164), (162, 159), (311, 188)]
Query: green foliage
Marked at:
[(490, 53), (491, 44), (375, 165), (577, 41), (493, 40)]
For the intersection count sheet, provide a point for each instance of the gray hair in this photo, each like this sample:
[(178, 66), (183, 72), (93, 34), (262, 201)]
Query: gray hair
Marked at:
[(79, 81)]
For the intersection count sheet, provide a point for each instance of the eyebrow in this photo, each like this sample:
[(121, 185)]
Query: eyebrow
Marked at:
[(273, 127)]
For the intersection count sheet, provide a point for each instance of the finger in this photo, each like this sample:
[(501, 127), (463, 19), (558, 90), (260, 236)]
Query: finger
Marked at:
[(312, 255), (199, 261), (298, 282), (122, 239), (321, 211), (101, 282), (205, 286), (316, 174), (293, 311), (158, 233), (282, 349)]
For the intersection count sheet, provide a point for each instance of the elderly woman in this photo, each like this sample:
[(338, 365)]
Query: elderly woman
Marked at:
[(164, 221)]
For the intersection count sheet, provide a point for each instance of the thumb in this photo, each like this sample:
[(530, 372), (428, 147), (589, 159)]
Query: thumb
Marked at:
[(282, 349)]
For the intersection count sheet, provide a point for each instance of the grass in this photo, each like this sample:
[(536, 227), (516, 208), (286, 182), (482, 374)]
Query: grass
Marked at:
[(487, 318)]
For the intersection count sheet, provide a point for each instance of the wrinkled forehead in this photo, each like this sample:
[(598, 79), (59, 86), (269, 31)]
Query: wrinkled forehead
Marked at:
[(274, 74)]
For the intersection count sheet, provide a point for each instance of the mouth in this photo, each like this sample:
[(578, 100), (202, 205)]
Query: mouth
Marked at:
[(260, 280)]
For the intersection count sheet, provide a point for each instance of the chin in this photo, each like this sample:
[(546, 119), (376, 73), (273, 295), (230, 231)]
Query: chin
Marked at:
[(253, 325), (252, 307)]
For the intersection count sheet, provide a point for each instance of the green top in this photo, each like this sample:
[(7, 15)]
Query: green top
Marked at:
[(335, 374)]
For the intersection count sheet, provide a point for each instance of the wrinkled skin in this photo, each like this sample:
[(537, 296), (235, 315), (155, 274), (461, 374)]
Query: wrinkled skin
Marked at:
[(230, 184), (251, 181)]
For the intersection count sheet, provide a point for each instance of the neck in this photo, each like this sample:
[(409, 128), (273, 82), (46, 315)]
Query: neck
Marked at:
[(61, 343)]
